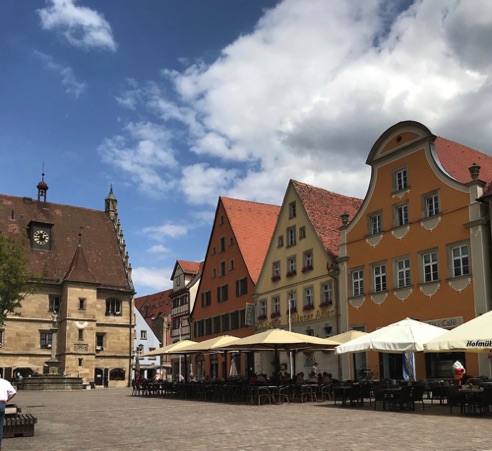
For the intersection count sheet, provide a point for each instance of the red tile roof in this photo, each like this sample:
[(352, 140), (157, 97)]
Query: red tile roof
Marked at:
[(253, 224), (188, 267), (457, 158), (96, 260), (153, 305), (324, 209)]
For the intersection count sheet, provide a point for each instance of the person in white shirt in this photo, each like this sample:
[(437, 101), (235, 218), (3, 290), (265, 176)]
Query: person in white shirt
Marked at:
[(7, 392)]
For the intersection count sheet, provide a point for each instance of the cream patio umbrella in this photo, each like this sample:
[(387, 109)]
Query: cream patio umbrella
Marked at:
[(407, 335), (347, 336), (473, 336), (173, 348), (213, 344)]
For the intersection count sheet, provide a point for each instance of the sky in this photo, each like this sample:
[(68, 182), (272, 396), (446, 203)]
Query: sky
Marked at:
[(174, 103)]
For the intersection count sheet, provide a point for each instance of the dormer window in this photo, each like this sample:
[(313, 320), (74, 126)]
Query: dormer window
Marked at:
[(40, 236)]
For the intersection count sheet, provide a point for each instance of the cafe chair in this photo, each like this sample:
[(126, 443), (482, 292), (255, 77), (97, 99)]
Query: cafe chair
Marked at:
[(418, 395)]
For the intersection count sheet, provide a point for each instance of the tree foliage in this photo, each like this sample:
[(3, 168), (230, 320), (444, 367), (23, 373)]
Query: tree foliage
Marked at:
[(14, 279)]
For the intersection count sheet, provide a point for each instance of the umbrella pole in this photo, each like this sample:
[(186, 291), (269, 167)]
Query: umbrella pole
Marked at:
[(225, 366)]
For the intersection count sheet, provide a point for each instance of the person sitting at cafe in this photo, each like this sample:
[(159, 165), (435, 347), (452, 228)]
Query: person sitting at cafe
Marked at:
[(312, 379), (300, 378), (320, 379), (261, 379), (327, 377)]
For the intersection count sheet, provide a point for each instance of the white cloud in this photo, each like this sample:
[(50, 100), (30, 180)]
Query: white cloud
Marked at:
[(167, 230), (68, 79), (158, 249), (152, 279), (81, 26), (309, 90)]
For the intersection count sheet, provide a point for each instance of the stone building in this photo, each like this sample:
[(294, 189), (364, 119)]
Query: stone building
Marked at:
[(83, 291)]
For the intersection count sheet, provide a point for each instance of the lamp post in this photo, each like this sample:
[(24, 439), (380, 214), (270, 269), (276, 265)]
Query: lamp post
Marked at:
[(53, 363), (290, 330), (138, 353)]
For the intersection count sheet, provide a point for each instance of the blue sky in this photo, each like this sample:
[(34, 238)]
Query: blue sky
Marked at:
[(177, 102)]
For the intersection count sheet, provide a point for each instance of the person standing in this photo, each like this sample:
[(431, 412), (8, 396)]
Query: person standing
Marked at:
[(7, 392)]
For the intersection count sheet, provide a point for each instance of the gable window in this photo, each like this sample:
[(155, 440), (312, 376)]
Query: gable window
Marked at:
[(222, 269), (375, 224), (45, 339), (231, 265), (292, 210), (302, 233), (430, 267), (358, 282), (326, 294), (291, 266), (54, 304), (206, 299), (401, 179), (222, 244), (280, 241), (214, 273), (231, 241), (401, 215), (222, 293), (242, 286), (113, 307), (459, 256), (403, 272), (291, 236), (143, 335), (308, 298), (307, 260), (275, 270), (379, 272), (82, 303), (431, 204)]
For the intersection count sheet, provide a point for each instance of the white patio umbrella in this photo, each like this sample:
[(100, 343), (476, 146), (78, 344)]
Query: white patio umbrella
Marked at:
[(473, 336), (407, 335), (173, 348)]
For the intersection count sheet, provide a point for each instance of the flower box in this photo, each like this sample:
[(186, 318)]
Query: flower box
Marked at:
[(326, 304), (292, 310), (291, 274), (262, 318), (307, 268), (308, 307), (275, 278), (274, 315)]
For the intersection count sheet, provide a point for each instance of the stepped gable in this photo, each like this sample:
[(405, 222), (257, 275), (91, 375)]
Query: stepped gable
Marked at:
[(103, 260), (324, 209), (253, 224)]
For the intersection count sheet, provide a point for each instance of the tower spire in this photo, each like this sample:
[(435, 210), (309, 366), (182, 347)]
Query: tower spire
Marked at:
[(42, 188)]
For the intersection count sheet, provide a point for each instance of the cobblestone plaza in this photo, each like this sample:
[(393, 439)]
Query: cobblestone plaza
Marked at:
[(114, 420)]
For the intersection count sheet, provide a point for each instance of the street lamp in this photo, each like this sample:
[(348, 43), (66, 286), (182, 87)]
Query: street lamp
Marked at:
[(140, 348)]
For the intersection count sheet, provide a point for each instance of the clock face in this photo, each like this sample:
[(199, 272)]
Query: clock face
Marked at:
[(41, 237)]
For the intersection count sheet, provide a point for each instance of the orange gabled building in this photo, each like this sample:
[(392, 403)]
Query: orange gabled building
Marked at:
[(239, 240), (418, 246)]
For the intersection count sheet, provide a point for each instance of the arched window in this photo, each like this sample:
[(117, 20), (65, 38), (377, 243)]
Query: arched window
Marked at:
[(113, 307)]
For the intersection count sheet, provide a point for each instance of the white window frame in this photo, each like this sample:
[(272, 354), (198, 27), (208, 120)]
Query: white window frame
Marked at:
[(401, 215), (401, 179), (291, 264), (307, 258), (276, 269), (375, 223), (430, 266), (292, 300), (403, 273), (460, 260), (308, 297), (432, 205), (327, 293), (357, 278), (263, 308), (292, 210), (379, 278), (275, 304), (291, 236)]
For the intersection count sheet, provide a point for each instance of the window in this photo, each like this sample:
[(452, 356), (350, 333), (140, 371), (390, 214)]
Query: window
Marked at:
[(431, 205), (292, 301), (81, 361), (291, 266), (117, 374), (262, 309), (221, 219), (82, 303), (403, 272), (222, 244), (217, 328), (326, 294), (113, 307), (206, 299), (54, 304), (276, 304), (291, 236), (201, 328), (81, 334), (430, 267), (225, 323), (308, 298), (276, 270), (222, 293), (222, 269), (99, 342), (302, 232), (358, 282), (143, 335), (280, 241), (1, 337), (231, 241), (307, 260), (459, 255), (183, 300), (379, 272), (231, 265), (45, 339), (208, 326), (214, 273), (234, 320), (242, 286), (292, 210), (401, 179), (401, 215), (375, 224)]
